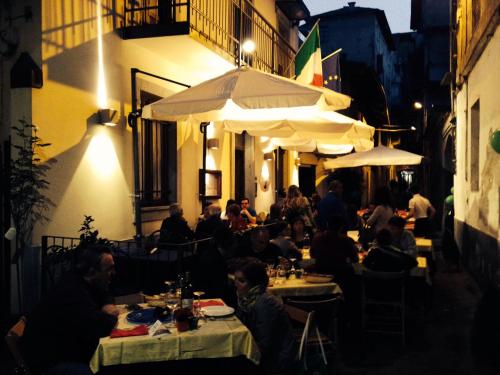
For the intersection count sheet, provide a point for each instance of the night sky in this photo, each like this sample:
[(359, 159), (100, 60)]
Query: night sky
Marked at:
[(397, 11)]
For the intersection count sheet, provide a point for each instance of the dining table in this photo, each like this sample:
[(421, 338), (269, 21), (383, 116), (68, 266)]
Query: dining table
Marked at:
[(213, 338), (294, 287)]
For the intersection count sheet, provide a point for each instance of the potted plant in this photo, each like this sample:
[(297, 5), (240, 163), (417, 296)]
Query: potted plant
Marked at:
[(28, 183)]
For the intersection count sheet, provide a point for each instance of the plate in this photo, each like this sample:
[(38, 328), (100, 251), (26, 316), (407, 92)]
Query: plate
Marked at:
[(146, 316), (317, 279), (217, 311)]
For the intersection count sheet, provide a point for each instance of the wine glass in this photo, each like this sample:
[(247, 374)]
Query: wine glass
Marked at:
[(199, 293), (171, 299)]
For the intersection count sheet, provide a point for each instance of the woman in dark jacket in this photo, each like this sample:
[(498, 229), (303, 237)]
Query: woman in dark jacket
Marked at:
[(264, 316)]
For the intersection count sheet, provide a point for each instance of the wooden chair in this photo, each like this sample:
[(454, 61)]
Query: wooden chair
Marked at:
[(12, 340), (383, 303)]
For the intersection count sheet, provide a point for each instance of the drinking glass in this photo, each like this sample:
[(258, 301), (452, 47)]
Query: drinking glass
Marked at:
[(198, 294), (171, 299)]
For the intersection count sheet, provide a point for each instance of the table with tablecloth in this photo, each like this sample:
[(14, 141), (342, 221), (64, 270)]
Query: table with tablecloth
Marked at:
[(300, 287), (219, 338)]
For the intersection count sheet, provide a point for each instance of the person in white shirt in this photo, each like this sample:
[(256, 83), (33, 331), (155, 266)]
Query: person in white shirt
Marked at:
[(423, 212)]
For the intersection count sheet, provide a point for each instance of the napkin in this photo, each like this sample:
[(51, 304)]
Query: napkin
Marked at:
[(210, 302), (140, 330)]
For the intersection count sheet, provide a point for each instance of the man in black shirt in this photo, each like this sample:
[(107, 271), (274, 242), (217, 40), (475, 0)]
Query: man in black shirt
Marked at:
[(63, 331)]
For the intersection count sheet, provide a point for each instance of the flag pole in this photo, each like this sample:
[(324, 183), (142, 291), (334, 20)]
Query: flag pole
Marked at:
[(331, 54), (302, 45)]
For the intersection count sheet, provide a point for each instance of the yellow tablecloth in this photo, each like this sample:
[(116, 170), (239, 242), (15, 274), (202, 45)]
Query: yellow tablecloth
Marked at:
[(299, 287), (213, 339)]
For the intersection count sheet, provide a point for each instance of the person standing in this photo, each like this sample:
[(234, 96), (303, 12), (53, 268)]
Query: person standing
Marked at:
[(63, 330), (423, 212), (383, 210), (331, 205)]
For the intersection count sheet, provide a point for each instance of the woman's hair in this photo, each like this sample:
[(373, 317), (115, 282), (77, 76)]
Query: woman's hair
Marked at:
[(293, 220), (383, 196), (293, 192), (253, 270), (234, 210), (229, 203)]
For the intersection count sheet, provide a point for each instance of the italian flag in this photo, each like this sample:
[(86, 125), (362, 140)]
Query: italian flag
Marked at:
[(308, 68)]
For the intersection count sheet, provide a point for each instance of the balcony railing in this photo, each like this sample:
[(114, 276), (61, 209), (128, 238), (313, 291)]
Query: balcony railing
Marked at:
[(223, 24)]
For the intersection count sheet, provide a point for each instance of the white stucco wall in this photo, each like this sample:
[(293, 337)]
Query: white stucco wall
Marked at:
[(480, 209)]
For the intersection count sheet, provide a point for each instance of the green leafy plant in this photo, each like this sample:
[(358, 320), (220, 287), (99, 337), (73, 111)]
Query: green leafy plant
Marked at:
[(28, 184), (89, 235)]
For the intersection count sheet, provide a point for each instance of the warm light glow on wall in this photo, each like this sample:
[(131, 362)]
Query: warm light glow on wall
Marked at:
[(210, 162), (102, 94), (102, 156)]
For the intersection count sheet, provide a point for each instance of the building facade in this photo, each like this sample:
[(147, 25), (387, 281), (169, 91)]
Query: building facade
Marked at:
[(86, 51), (476, 53)]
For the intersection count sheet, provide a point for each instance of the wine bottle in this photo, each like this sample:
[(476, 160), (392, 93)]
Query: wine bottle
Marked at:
[(187, 293)]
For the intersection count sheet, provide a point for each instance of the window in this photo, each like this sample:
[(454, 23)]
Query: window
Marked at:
[(158, 159), (474, 146)]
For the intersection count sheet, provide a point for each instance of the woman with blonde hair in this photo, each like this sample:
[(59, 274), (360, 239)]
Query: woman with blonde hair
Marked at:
[(297, 205)]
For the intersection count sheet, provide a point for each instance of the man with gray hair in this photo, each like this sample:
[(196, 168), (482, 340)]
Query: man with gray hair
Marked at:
[(206, 228), (175, 229)]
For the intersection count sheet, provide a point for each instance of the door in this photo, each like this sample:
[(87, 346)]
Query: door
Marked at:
[(307, 179)]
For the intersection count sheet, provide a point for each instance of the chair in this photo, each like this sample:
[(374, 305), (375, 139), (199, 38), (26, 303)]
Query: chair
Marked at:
[(12, 340), (305, 341), (383, 303), (327, 313)]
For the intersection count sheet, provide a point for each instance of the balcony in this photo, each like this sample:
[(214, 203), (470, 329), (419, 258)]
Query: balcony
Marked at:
[(221, 25)]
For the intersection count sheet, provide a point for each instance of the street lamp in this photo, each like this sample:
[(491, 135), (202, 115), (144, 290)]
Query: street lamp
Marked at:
[(248, 47)]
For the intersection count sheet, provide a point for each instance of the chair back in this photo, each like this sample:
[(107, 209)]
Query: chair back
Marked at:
[(383, 303), (327, 312), (12, 339)]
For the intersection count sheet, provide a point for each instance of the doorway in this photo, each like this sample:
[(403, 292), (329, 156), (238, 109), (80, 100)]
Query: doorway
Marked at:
[(307, 179)]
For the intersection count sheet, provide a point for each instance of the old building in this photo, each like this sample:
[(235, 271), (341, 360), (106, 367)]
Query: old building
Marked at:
[(476, 53)]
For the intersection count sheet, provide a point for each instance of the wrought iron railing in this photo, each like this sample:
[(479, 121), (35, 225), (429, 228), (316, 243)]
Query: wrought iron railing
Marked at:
[(225, 24)]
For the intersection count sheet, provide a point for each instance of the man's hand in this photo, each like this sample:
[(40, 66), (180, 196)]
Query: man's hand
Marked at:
[(110, 309)]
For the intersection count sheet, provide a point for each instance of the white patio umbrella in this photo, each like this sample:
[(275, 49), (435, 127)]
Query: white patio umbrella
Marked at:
[(377, 156), (264, 104), (234, 94)]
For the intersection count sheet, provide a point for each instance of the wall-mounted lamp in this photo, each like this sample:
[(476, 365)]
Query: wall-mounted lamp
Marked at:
[(417, 105), (268, 156), (297, 162), (106, 116), (213, 143), (248, 46)]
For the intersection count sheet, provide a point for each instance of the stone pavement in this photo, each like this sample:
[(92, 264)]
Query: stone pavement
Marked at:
[(438, 336)]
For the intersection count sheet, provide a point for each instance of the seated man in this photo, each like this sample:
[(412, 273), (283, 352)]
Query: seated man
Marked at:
[(63, 331), (248, 213), (261, 247), (207, 227), (385, 257), (175, 229), (401, 238)]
